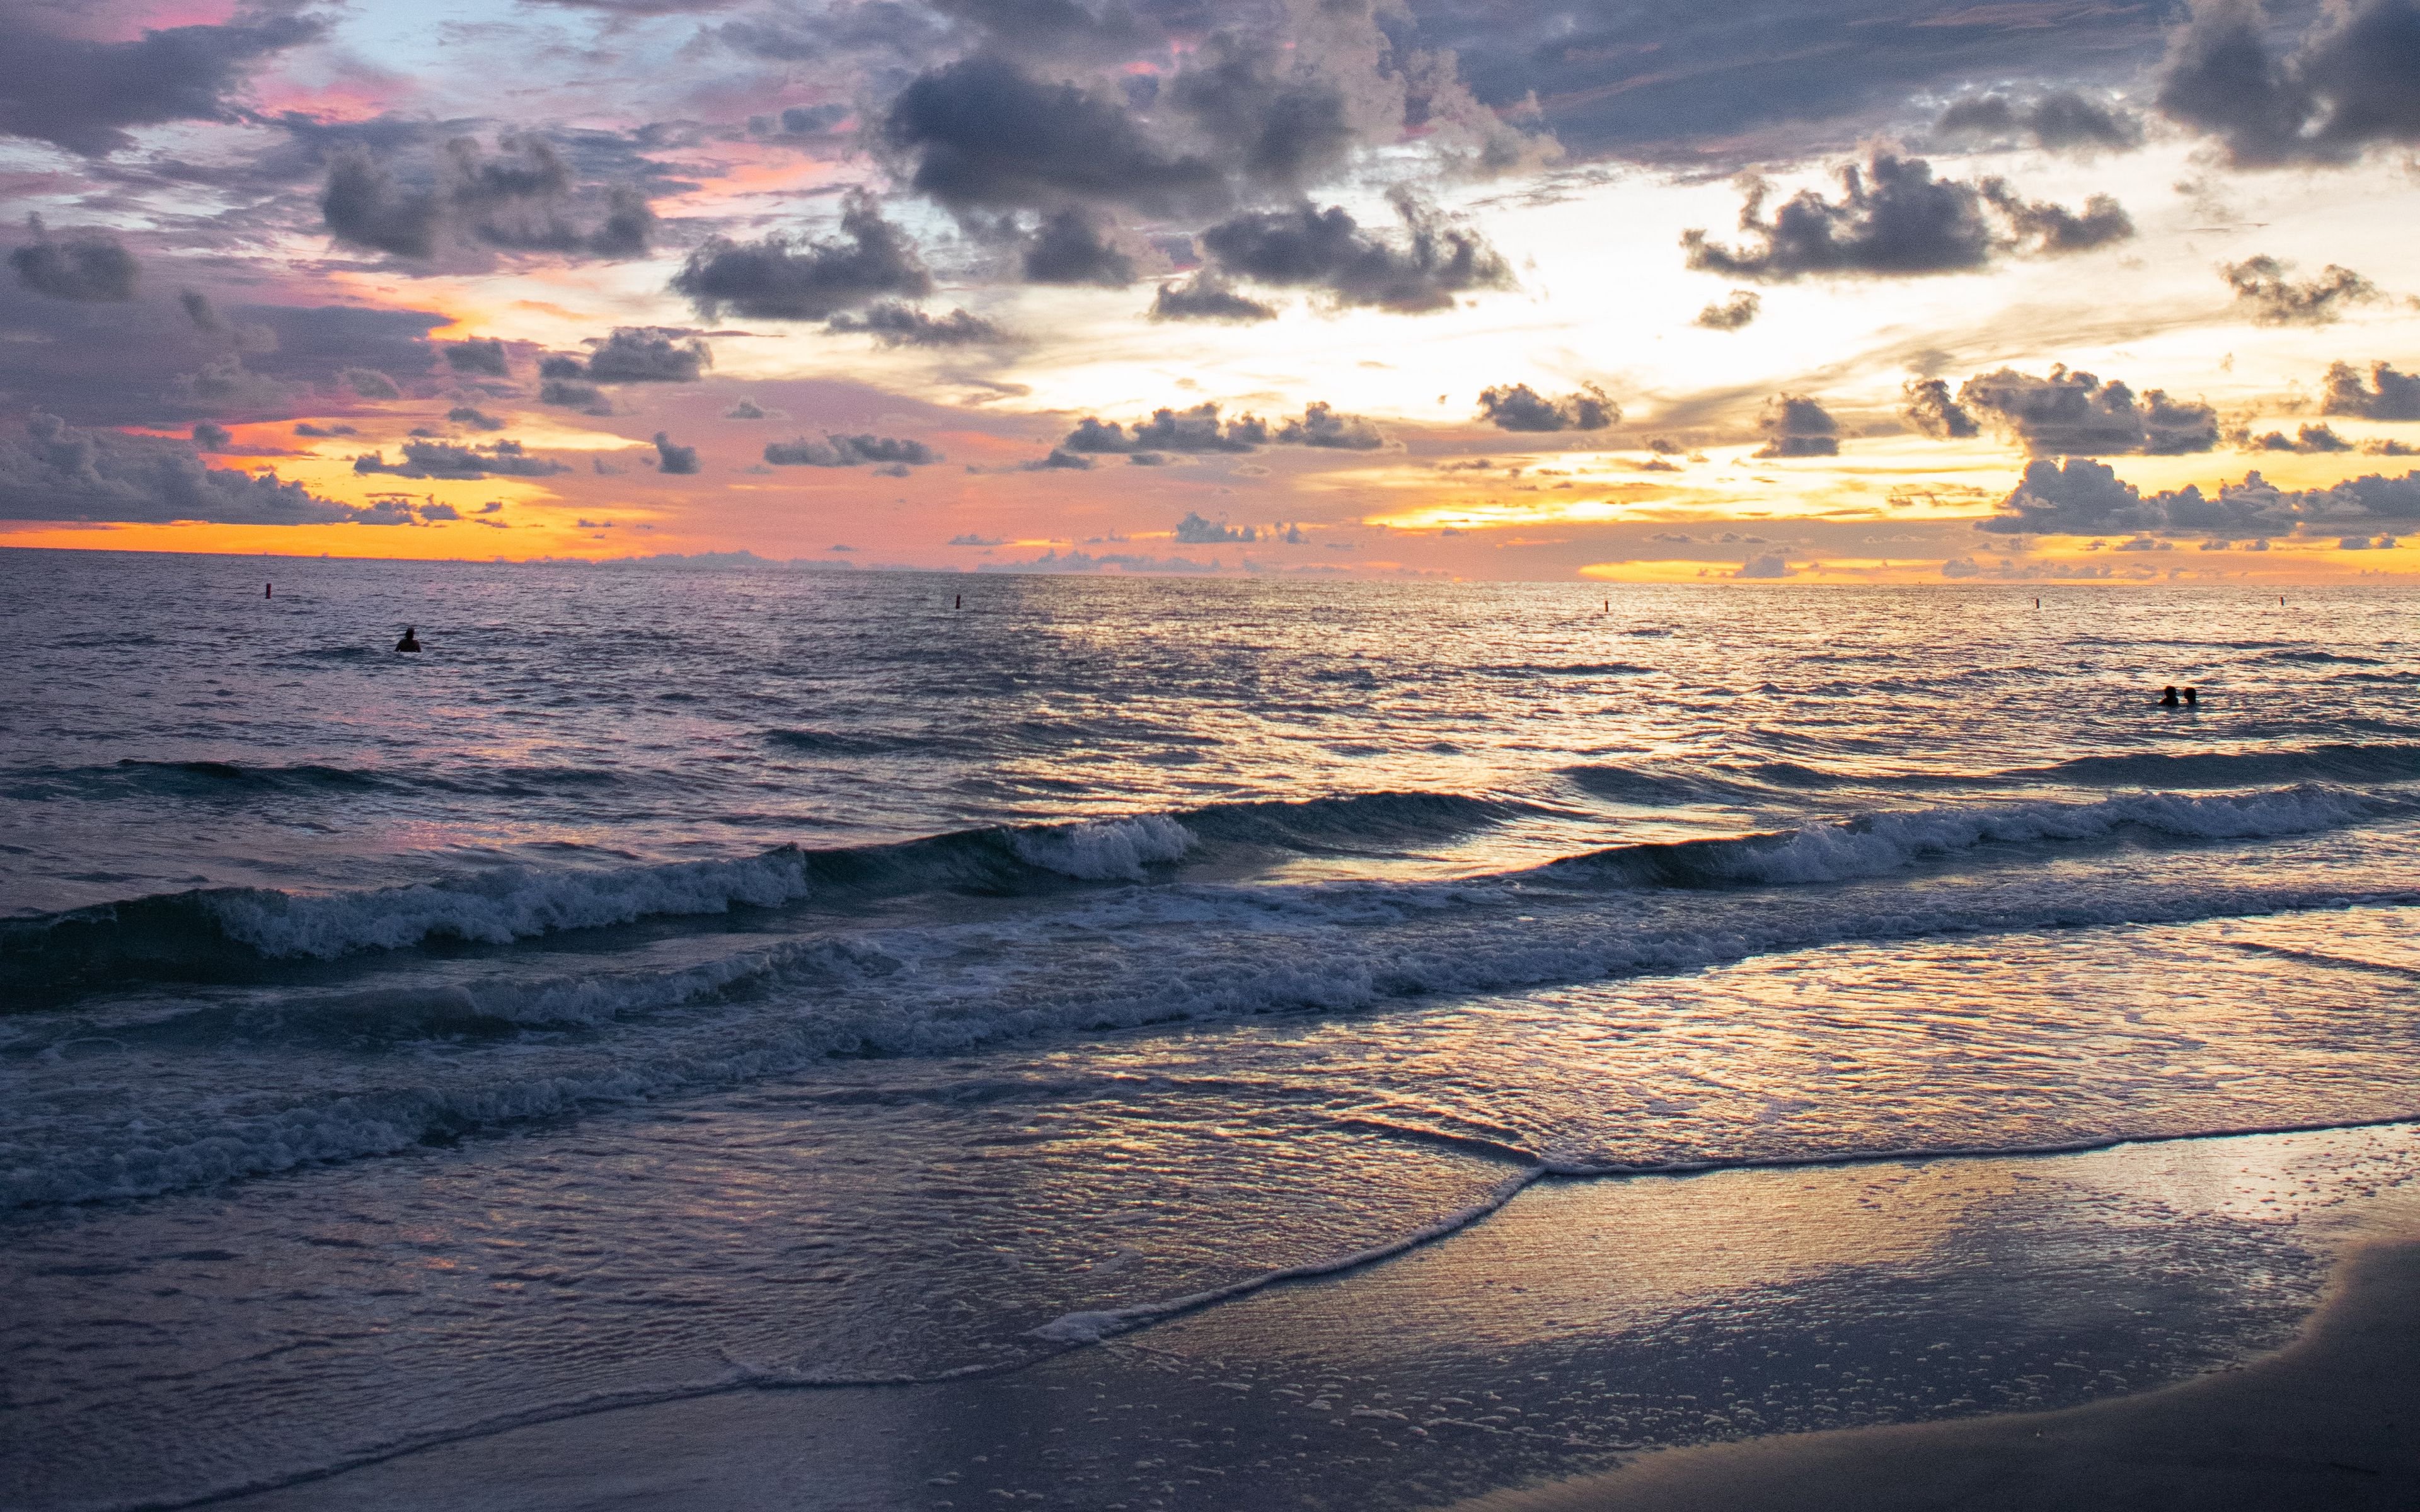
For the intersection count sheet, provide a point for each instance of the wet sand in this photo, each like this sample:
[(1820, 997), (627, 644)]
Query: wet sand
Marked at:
[(2332, 1421)]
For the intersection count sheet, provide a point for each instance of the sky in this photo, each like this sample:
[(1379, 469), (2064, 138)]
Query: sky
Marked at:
[(1617, 290)]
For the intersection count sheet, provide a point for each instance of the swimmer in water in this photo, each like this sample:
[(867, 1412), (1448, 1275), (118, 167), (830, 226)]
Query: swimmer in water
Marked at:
[(411, 641), (2193, 699), (2167, 697)]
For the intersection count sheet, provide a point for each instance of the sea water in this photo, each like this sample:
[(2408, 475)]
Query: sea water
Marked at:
[(673, 982)]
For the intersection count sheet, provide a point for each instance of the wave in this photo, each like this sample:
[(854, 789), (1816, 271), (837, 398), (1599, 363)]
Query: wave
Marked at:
[(2337, 763), (230, 934), (1877, 844), (206, 780)]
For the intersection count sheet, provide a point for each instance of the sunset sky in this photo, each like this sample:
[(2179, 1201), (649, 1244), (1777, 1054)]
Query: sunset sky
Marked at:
[(1631, 290)]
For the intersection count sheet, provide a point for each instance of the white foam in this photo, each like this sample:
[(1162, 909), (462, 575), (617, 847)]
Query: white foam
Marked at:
[(1104, 850)]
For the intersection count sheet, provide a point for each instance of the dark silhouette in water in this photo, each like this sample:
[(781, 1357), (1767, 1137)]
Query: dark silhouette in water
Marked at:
[(411, 641), (2193, 699), (2168, 698), (269, 590)]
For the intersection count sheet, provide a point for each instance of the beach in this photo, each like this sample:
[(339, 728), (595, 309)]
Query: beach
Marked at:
[(1132, 1044), (2327, 1422)]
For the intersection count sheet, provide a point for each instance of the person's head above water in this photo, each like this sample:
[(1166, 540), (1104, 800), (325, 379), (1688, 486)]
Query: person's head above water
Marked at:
[(2169, 697)]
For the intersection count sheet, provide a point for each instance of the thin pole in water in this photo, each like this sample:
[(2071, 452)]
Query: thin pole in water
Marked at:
[(269, 590)]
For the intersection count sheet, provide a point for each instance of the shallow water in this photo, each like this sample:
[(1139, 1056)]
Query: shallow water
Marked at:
[(677, 979)]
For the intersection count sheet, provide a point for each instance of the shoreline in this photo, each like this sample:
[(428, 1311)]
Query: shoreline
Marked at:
[(2332, 1420)]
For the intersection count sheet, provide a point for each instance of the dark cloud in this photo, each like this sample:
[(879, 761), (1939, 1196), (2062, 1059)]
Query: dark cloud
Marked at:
[(2391, 395), (58, 473), (1284, 124), (518, 200), (671, 459), (1423, 270), (2351, 82), (1895, 219), (1322, 426), (982, 135), (88, 268), (1070, 248), (485, 358), (2082, 497), (1733, 314), (2061, 121), (370, 383), (306, 428), (1195, 431), (199, 309), (1060, 460), (2075, 414), (1195, 530), (85, 94), (443, 459), (212, 436), (1205, 296), (745, 410), (1796, 426), (1518, 407), (570, 393), (893, 324), (1932, 412), (638, 354), (777, 279), (850, 451), (463, 414), (2307, 440), (2263, 291)]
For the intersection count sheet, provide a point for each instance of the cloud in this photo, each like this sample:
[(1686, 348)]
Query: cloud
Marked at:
[(1733, 314), (568, 394), (671, 459), (1070, 248), (1195, 530), (2347, 84), (1421, 270), (198, 310), (84, 95), (91, 269), (1193, 431), (982, 135), (1769, 566), (1518, 407), (893, 324), (636, 354), (444, 459), (777, 279), (2075, 414), (370, 383), (486, 358), (516, 201), (849, 451), (1796, 426), (1932, 412), (2391, 395), (210, 437), (1894, 219), (746, 410), (970, 538), (2061, 121), (1060, 460), (306, 428), (2082, 497), (58, 472), (1205, 296), (463, 414), (2307, 440), (1322, 426), (2263, 291)]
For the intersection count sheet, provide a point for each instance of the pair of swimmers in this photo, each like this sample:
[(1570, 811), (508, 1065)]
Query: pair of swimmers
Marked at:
[(2168, 699)]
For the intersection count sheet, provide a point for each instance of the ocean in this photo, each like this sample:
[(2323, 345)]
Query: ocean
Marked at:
[(708, 987)]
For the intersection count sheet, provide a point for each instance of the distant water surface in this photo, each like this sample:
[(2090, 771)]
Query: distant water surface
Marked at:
[(671, 976)]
